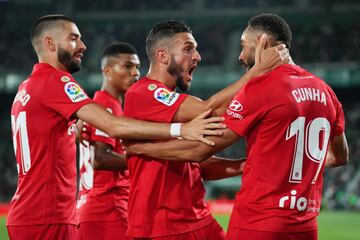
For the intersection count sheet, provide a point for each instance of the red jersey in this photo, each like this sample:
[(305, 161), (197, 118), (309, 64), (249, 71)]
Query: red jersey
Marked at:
[(166, 197), (288, 117), (44, 144), (103, 194)]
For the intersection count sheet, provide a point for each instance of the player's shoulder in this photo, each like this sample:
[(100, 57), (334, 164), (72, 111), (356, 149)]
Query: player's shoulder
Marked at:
[(262, 80), (60, 79), (313, 81), (62, 76), (104, 98), (47, 71), (258, 83), (266, 81), (316, 79), (146, 85), (100, 95), (53, 78)]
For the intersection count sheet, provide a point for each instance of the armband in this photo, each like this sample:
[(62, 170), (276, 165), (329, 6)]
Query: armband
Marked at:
[(175, 130)]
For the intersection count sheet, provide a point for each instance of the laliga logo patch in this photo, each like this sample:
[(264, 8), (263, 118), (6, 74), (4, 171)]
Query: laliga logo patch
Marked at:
[(236, 106), (74, 92), (165, 96)]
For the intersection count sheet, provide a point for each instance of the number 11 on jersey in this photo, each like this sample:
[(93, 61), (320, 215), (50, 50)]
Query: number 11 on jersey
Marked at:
[(19, 126), (312, 139)]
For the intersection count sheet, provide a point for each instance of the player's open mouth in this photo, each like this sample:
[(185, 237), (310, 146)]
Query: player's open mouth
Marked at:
[(191, 70)]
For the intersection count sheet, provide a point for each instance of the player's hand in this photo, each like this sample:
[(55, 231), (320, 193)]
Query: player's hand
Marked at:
[(267, 59), (202, 126), (82, 132), (137, 147), (133, 148)]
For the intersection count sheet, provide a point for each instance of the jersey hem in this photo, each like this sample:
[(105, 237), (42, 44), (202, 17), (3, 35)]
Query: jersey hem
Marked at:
[(204, 222)]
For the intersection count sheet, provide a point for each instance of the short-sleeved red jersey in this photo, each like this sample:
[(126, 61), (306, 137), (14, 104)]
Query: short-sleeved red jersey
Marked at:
[(44, 143), (103, 195), (288, 117), (166, 197)]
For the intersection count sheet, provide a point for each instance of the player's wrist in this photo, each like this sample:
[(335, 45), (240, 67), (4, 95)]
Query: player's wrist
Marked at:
[(175, 130)]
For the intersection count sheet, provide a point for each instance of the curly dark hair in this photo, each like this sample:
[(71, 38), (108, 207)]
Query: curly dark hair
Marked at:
[(274, 25)]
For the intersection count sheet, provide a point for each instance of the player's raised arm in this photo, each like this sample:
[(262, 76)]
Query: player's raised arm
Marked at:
[(265, 60), (124, 127)]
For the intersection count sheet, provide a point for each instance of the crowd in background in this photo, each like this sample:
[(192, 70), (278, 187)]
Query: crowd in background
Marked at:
[(333, 43), (315, 39)]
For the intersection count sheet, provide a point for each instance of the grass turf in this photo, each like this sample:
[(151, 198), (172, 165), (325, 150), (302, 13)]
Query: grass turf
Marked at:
[(332, 225), (3, 232)]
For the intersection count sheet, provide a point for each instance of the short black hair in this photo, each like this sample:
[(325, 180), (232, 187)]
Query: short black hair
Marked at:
[(113, 49), (46, 22), (274, 25), (164, 30)]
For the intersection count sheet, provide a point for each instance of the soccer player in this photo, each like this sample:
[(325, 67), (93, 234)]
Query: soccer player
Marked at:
[(104, 181), (42, 114), (166, 199), (291, 119)]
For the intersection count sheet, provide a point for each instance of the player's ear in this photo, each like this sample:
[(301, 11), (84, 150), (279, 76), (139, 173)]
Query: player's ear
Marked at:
[(50, 43), (106, 71), (258, 37), (163, 56)]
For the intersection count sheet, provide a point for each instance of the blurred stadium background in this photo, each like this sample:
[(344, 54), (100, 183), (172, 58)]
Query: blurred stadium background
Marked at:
[(326, 41)]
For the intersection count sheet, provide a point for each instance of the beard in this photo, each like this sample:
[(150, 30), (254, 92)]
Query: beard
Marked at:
[(250, 62), (175, 70), (66, 59)]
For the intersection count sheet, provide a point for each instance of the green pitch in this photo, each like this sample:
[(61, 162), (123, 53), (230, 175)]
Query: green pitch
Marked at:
[(332, 225), (3, 232)]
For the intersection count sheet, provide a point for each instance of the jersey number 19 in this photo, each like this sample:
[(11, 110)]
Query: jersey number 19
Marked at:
[(313, 139)]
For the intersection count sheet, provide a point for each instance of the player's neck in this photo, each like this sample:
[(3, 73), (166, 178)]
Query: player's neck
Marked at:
[(111, 90), (162, 75), (53, 62)]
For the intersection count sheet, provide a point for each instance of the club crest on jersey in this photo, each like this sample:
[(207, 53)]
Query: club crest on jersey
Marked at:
[(152, 87), (74, 92), (65, 79), (165, 96)]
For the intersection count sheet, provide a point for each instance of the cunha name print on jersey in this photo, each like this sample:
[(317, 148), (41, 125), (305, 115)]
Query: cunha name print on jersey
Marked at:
[(309, 94)]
